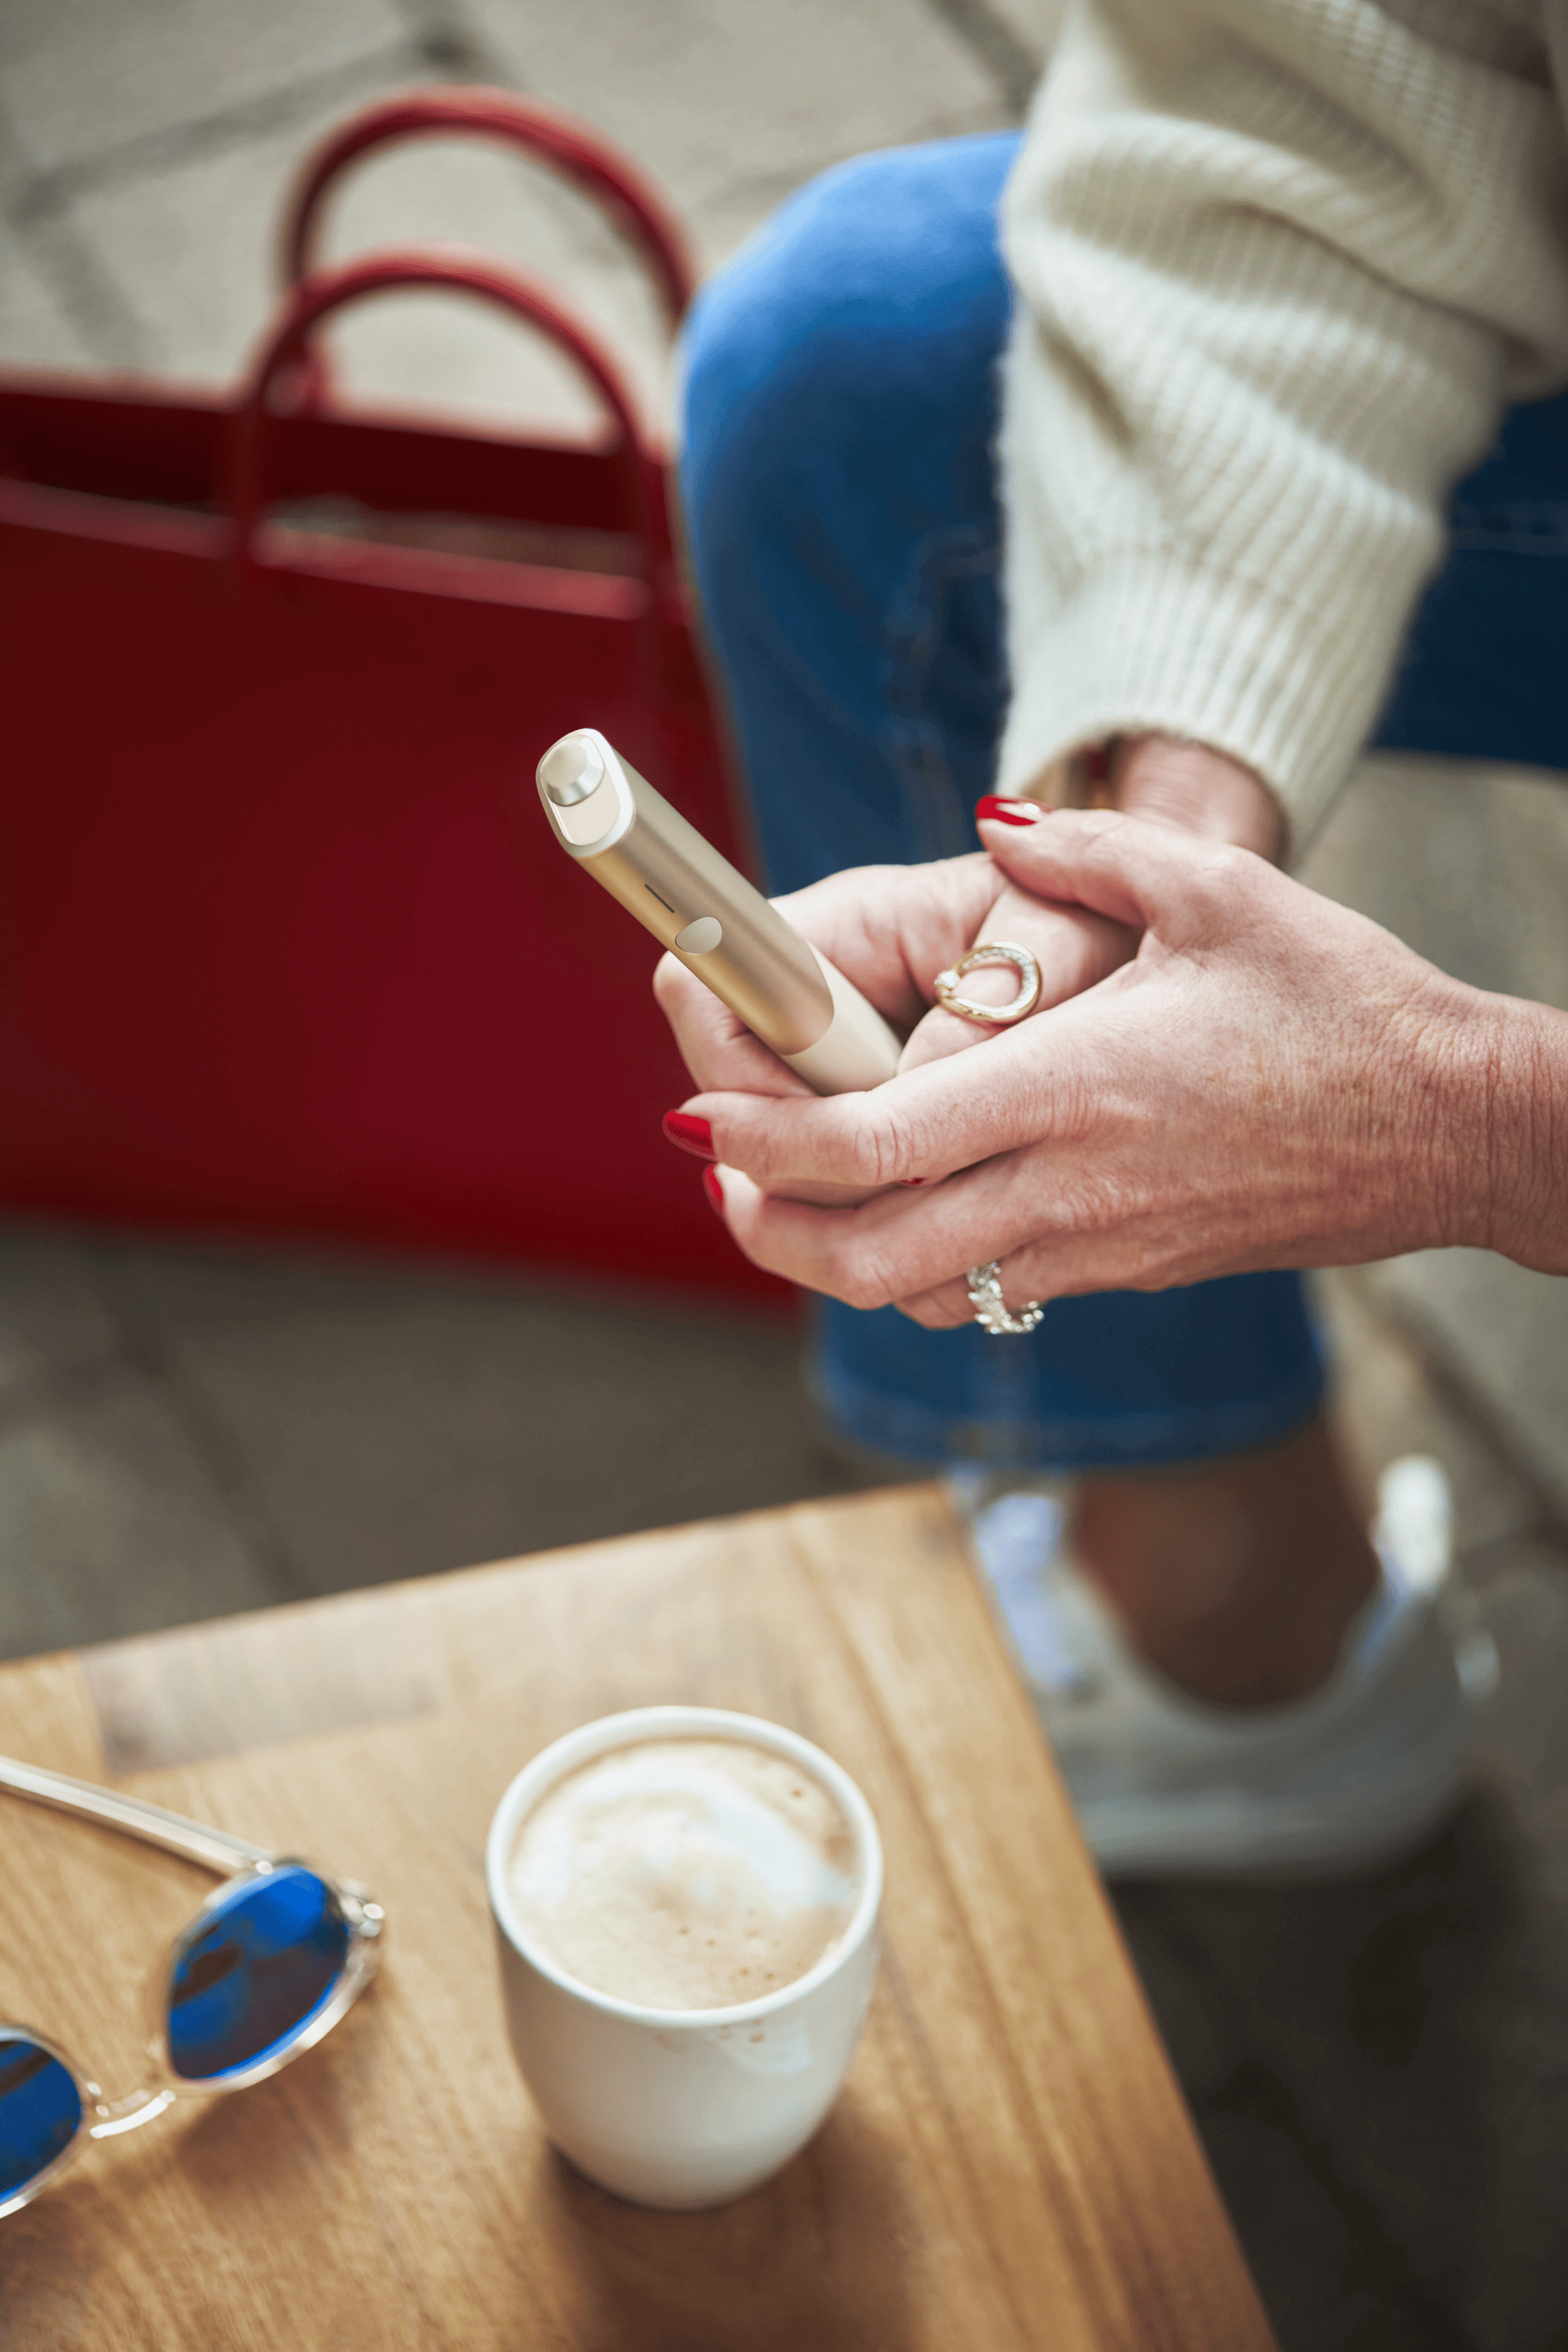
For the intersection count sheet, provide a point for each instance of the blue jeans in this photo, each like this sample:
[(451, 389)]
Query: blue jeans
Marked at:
[(840, 412)]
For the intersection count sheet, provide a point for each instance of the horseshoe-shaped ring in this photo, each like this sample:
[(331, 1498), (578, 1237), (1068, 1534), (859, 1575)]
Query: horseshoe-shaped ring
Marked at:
[(995, 1015)]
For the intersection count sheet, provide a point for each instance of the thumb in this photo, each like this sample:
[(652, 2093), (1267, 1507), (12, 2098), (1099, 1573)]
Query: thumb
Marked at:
[(1146, 875)]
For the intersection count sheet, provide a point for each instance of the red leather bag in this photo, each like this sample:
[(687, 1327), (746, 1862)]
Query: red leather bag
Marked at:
[(284, 941)]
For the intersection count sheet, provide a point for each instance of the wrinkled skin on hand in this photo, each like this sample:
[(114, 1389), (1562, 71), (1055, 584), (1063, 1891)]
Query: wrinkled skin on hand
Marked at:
[(1269, 1081), (891, 929)]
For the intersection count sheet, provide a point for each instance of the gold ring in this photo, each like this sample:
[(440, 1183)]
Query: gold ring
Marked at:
[(992, 951)]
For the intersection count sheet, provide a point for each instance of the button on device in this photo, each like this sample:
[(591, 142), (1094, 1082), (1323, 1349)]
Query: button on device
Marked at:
[(701, 937), (571, 769)]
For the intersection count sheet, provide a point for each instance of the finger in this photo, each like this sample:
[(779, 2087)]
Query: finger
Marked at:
[(781, 1235), (1032, 1083), (1073, 949), (1148, 875), (879, 925), (942, 1309), (715, 1043), (888, 927), (897, 1247)]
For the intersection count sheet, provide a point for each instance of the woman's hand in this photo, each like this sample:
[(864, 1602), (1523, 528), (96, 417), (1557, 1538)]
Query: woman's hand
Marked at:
[(890, 930), (1272, 1081)]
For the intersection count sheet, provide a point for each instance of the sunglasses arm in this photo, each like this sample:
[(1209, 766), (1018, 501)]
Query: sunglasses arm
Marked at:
[(213, 1848)]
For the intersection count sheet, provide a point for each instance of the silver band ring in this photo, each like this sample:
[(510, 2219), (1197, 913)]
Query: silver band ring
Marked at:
[(985, 1297), (992, 951)]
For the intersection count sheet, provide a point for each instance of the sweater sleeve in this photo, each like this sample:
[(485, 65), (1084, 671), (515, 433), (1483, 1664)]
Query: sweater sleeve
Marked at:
[(1279, 264)]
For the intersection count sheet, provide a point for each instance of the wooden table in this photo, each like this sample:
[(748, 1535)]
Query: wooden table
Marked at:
[(1011, 2163)]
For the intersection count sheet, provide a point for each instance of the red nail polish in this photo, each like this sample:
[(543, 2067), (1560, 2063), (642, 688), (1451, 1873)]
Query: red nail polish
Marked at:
[(993, 810), (688, 1134), (714, 1189)]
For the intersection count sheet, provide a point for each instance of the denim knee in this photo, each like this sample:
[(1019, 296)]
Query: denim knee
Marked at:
[(865, 314)]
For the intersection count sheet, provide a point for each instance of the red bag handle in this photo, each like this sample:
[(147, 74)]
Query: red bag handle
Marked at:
[(539, 130), (386, 273)]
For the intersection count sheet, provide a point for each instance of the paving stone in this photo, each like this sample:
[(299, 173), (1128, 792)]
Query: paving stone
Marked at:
[(394, 1422), (1503, 1331), (1329, 2276), (1014, 37), (1413, 2025), (1410, 2028), (110, 1523), (1327, 2283), (1522, 1590), (194, 245), (731, 106), (194, 249), (54, 1321), (1386, 1406), (82, 77), (1466, 861), (35, 328), (1197, 2017)]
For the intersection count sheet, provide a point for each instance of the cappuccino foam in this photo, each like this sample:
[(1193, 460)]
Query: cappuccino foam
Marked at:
[(685, 1874)]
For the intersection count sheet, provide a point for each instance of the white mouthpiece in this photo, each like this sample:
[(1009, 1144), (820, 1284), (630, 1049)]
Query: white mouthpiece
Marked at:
[(571, 769)]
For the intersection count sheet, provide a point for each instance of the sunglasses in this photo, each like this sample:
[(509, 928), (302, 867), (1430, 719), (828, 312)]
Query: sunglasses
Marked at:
[(268, 1966)]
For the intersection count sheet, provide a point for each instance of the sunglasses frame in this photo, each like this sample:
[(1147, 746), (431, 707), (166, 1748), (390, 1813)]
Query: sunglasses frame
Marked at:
[(241, 1864)]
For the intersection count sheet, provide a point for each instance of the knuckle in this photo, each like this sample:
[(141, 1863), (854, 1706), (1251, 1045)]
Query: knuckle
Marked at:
[(882, 1278), (859, 1290), (935, 1311), (862, 1279), (1221, 887), (1228, 873), (1227, 869), (877, 1151)]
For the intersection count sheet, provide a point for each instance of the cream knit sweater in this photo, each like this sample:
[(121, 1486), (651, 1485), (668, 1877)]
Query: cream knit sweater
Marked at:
[(1281, 264)]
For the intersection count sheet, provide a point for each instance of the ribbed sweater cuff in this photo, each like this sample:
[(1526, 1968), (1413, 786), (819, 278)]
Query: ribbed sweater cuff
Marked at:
[(1148, 643)]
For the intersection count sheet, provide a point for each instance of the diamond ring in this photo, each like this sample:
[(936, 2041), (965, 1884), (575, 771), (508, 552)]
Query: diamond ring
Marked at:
[(985, 1297)]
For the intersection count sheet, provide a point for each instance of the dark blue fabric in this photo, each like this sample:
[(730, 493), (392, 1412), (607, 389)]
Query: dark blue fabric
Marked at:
[(1485, 674), (40, 2112), (841, 405), (252, 1972)]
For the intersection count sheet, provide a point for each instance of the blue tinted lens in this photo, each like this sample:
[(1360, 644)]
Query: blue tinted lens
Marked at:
[(250, 1973), (40, 2111)]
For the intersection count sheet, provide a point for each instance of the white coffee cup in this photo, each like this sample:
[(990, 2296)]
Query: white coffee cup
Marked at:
[(682, 2107)]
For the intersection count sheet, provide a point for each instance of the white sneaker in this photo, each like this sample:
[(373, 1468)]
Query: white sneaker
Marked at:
[(1166, 1785)]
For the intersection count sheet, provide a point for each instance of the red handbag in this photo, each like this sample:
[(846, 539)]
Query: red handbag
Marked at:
[(284, 940)]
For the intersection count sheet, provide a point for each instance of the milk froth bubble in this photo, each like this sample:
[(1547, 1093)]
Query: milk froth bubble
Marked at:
[(686, 1873)]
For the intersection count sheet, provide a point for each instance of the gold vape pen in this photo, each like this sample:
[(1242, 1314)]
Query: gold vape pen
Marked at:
[(628, 838)]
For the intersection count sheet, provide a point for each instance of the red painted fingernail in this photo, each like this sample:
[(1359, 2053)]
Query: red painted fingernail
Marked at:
[(993, 810), (714, 1189), (688, 1134)]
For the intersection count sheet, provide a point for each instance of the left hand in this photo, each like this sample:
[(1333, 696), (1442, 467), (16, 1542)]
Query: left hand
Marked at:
[(1273, 1081)]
